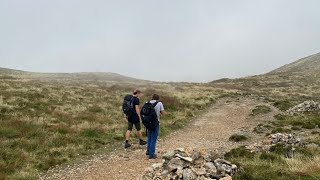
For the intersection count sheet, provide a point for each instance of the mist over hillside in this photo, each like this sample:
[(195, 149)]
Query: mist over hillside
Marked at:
[(297, 80), (309, 66), (82, 76)]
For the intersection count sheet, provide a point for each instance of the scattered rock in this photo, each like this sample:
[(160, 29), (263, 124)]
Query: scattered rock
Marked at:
[(274, 139), (188, 159), (199, 171), (226, 178), (156, 166), (307, 106), (188, 174), (169, 155), (175, 164)]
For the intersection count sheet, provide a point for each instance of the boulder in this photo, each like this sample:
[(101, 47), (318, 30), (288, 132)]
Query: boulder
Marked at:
[(199, 171)]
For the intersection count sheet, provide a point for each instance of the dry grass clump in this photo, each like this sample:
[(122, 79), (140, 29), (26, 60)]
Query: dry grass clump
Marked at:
[(274, 165), (261, 109), (305, 165)]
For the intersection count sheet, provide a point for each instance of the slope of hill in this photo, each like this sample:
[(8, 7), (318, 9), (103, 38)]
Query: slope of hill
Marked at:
[(308, 66), (6, 73), (299, 80)]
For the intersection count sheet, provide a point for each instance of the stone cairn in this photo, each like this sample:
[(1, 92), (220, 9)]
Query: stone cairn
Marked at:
[(274, 139), (190, 164), (307, 106)]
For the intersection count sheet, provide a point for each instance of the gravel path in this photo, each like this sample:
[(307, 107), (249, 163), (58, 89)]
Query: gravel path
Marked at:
[(209, 131)]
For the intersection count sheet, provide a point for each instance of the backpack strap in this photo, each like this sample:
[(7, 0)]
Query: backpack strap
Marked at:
[(154, 104)]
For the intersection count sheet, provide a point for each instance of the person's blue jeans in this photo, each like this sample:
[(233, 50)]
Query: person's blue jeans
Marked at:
[(152, 141)]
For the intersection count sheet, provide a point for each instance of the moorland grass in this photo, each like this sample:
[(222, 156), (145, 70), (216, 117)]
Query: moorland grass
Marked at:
[(309, 120), (261, 109), (282, 162), (274, 165), (238, 137), (44, 123)]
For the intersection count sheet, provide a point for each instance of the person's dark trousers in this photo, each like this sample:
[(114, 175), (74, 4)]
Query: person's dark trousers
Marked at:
[(152, 141)]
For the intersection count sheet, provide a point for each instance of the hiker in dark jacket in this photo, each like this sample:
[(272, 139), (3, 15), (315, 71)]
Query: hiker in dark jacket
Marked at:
[(153, 134), (134, 119)]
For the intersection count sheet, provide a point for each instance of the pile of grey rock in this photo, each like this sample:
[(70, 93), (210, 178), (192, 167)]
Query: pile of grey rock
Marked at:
[(274, 139), (307, 106), (190, 164)]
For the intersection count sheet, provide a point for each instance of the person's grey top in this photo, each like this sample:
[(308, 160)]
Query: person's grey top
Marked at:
[(159, 107)]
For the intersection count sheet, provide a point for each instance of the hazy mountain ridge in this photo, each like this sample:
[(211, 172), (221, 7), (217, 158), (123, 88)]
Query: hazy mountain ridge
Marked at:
[(305, 70), (7, 71), (297, 80), (87, 76), (309, 65)]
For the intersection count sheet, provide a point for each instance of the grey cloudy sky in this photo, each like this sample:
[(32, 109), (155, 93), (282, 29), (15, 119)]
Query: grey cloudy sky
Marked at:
[(165, 40)]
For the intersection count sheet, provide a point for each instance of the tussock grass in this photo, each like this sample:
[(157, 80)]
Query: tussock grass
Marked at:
[(271, 165), (238, 137), (305, 165), (261, 109), (283, 105), (276, 164), (307, 120)]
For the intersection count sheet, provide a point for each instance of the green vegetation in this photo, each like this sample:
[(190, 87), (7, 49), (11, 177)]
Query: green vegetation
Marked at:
[(278, 164), (262, 109), (274, 165), (283, 105), (50, 121), (285, 87), (238, 137), (305, 121)]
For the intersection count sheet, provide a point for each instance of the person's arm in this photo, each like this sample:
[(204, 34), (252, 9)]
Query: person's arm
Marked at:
[(125, 117), (162, 112), (138, 111)]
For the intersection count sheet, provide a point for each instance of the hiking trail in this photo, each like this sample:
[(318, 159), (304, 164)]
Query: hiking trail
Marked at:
[(211, 130)]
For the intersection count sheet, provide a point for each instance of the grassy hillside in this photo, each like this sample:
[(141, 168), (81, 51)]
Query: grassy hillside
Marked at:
[(48, 121), (297, 81), (308, 66), (284, 87), (90, 77)]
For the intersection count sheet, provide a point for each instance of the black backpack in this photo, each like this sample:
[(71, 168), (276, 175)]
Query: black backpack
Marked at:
[(127, 105), (149, 116)]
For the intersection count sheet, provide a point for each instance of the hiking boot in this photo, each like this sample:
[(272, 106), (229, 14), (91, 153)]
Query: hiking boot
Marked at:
[(126, 145), (153, 156), (142, 142)]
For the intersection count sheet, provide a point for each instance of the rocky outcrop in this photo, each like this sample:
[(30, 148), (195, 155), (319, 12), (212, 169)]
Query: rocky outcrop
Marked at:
[(190, 164), (287, 140), (307, 106)]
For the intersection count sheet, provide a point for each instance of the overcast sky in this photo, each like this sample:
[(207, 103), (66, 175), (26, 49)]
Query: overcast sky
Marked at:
[(164, 40)]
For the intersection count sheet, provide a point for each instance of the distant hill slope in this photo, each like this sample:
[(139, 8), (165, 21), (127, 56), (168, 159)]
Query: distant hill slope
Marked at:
[(7, 71), (297, 80), (87, 76), (309, 66)]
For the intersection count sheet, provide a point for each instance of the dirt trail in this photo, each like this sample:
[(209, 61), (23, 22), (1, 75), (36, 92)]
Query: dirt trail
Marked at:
[(210, 131)]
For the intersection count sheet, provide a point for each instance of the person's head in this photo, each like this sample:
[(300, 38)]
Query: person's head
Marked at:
[(137, 92), (155, 97)]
